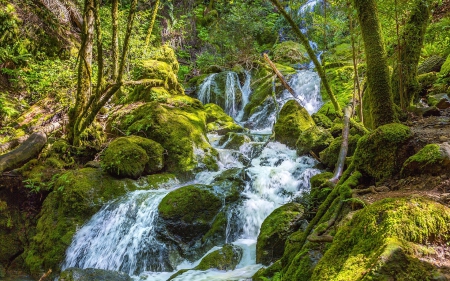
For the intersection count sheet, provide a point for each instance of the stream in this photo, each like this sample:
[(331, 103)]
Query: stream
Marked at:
[(122, 235)]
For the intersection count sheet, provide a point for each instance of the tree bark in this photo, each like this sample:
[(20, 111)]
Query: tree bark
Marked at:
[(115, 38), (379, 96), (404, 80), (152, 23), (311, 55), (344, 147), (280, 76), (28, 150)]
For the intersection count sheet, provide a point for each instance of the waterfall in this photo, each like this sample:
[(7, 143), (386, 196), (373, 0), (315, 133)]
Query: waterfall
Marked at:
[(232, 98)]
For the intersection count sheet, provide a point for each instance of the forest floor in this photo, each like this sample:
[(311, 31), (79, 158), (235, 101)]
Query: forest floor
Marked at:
[(433, 129)]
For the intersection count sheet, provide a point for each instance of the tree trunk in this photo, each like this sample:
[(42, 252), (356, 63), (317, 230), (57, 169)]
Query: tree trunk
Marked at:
[(404, 80), (115, 38), (28, 150), (152, 23), (379, 96), (311, 55)]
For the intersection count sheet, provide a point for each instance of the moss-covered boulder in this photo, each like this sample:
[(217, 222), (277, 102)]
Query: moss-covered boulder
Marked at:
[(330, 155), (226, 258), (441, 101), (386, 241), (79, 195), (93, 274), (275, 229), (314, 139), (292, 121), (178, 125), (217, 121), (381, 153), (230, 184), (233, 140), (186, 215), (320, 188), (432, 159), (445, 69), (290, 52), (132, 157), (322, 120)]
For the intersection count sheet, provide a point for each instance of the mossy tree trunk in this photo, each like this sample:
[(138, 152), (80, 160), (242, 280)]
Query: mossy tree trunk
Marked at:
[(91, 98), (404, 79), (311, 54), (152, 23), (379, 95), (115, 38)]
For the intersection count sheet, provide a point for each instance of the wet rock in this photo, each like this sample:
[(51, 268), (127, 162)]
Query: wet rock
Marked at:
[(233, 140), (441, 101), (314, 139), (275, 229), (226, 258), (219, 122), (93, 274)]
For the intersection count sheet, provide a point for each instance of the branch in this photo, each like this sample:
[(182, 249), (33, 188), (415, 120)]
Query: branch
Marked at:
[(344, 146)]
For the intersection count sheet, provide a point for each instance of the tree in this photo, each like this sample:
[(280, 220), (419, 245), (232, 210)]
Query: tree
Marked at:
[(91, 98), (379, 94), (404, 80)]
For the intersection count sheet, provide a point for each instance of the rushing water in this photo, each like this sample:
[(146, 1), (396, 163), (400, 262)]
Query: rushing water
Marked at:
[(121, 236)]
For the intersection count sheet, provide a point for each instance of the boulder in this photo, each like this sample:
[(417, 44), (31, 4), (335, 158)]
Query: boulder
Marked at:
[(290, 52), (275, 229), (93, 274), (78, 195), (387, 240), (292, 121), (233, 140), (441, 101), (132, 157), (432, 159), (381, 153), (329, 155), (314, 139), (219, 122), (322, 120), (226, 258)]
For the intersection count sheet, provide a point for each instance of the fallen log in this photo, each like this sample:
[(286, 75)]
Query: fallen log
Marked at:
[(24, 152), (344, 146)]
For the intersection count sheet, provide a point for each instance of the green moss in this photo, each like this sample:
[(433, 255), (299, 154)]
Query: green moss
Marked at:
[(330, 155), (376, 243), (218, 121), (233, 140), (322, 120), (81, 193), (320, 188), (226, 258), (290, 52), (158, 181), (180, 127), (292, 121), (177, 205), (381, 153), (433, 159), (445, 69), (275, 230), (314, 139)]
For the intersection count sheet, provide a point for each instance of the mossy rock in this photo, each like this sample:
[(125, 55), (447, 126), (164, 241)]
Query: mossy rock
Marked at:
[(292, 121), (220, 122), (314, 139), (384, 240), (431, 64), (233, 140), (275, 230), (80, 194), (226, 258), (166, 54), (322, 120), (426, 82), (381, 153), (290, 52), (330, 155), (124, 157), (320, 188), (432, 159), (440, 101), (230, 184), (179, 126), (183, 219), (93, 274)]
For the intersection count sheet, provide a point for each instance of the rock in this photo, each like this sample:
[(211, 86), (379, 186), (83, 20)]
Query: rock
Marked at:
[(132, 157), (275, 230), (93, 274), (376, 243), (290, 52), (183, 224), (230, 184), (441, 101), (93, 164), (233, 140), (426, 82), (292, 121), (226, 258), (314, 139), (381, 153), (322, 120), (329, 155), (431, 64), (219, 122), (424, 111), (80, 194), (432, 159), (179, 126)]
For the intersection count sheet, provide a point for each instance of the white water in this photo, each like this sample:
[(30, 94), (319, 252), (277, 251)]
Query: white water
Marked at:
[(208, 93)]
